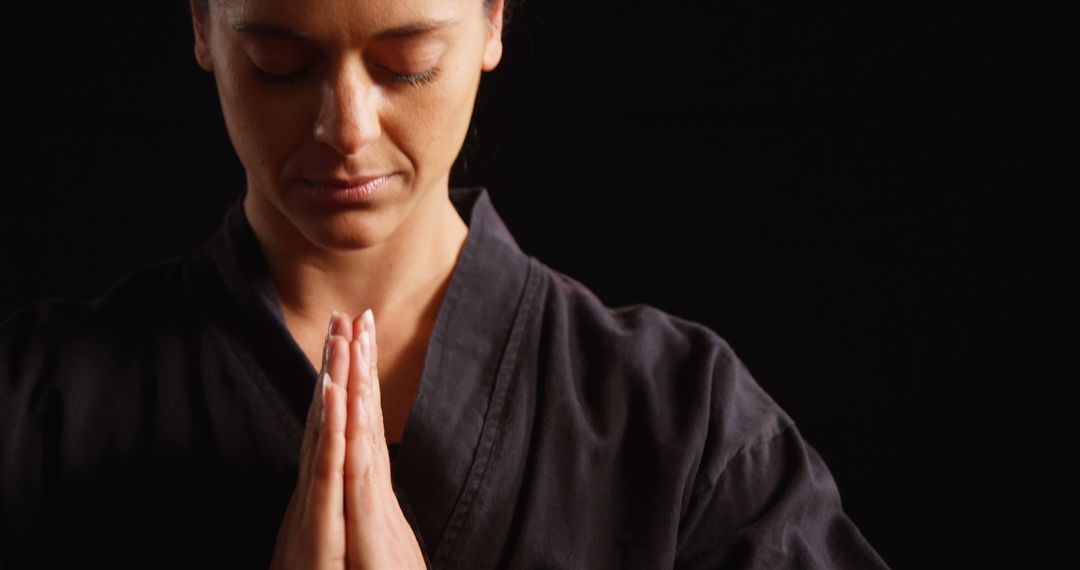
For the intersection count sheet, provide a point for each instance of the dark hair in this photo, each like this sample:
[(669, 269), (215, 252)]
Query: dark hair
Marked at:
[(203, 8)]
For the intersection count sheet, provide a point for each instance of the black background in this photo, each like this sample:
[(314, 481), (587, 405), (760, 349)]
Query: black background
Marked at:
[(826, 185)]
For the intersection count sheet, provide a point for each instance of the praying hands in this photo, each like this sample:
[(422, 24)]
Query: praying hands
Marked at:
[(343, 512)]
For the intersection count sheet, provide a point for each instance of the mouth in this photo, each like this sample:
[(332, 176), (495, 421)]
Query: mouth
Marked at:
[(343, 184), (339, 190)]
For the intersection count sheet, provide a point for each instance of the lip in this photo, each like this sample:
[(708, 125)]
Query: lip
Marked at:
[(338, 191)]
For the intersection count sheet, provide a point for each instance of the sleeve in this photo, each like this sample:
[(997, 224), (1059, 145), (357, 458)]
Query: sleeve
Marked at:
[(774, 505), (27, 485), (759, 495)]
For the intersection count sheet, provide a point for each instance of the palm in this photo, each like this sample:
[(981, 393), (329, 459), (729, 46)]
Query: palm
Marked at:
[(343, 512)]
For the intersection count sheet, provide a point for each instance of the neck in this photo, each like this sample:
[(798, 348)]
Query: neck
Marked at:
[(396, 276)]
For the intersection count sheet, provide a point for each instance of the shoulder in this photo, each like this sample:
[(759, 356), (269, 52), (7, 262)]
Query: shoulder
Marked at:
[(60, 338), (680, 371), (139, 292), (751, 490)]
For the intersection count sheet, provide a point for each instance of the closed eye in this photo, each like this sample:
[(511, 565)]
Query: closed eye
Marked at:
[(276, 78), (418, 79), (282, 79)]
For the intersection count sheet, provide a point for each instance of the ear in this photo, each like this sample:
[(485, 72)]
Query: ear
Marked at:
[(493, 46), (202, 46)]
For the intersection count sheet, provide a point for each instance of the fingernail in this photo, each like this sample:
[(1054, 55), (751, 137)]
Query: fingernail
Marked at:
[(332, 328), (369, 320), (365, 346), (325, 387), (325, 354)]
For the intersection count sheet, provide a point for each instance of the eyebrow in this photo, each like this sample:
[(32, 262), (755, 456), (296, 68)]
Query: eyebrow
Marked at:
[(408, 30)]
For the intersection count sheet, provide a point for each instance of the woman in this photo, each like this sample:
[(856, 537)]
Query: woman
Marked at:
[(495, 414)]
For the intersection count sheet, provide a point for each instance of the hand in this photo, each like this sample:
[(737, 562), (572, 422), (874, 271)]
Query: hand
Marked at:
[(345, 469), (377, 533), (313, 533)]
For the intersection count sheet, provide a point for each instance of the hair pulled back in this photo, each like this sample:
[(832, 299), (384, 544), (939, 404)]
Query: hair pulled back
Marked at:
[(202, 8)]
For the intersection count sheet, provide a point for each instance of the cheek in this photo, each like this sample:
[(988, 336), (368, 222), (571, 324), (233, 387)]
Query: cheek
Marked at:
[(264, 127), (432, 120)]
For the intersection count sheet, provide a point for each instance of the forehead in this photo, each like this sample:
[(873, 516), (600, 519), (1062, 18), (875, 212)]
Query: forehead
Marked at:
[(347, 22)]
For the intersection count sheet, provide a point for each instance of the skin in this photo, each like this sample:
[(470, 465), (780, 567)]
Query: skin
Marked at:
[(343, 512), (345, 117)]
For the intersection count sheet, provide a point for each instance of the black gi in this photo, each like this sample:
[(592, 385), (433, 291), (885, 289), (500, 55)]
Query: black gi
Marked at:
[(160, 425)]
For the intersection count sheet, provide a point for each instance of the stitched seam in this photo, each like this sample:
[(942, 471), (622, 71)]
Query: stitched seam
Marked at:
[(271, 400), (211, 282), (493, 431), (708, 485)]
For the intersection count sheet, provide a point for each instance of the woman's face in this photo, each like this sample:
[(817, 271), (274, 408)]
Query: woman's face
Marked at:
[(326, 89)]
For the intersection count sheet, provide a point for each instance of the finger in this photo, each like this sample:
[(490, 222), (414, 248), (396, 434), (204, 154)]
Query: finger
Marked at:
[(370, 327), (356, 380), (336, 367), (362, 482), (366, 323), (313, 421), (359, 423), (345, 329), (334, 318), (358, 325), (326, 494), (373, 397), (375, 401)]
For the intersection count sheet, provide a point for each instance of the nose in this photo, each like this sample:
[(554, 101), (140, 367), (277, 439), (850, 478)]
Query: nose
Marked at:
[(348, 111)]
